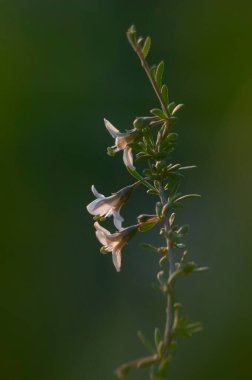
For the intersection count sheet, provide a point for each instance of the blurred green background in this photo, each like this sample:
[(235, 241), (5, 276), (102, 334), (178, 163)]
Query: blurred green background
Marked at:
[(65, 312)]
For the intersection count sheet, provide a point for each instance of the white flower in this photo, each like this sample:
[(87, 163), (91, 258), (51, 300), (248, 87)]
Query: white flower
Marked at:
[(107, 206), (114, 242), (121, 142)]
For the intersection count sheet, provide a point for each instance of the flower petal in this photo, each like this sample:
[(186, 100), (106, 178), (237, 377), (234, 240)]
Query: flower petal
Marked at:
[(102, 238), (95, 192), (116, 257), (128, 158), (112, 130), (99, 207), (118, 219), (121, 142), (98, 227)]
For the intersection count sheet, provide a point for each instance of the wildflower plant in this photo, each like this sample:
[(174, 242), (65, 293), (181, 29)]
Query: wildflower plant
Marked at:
[(151, 140)]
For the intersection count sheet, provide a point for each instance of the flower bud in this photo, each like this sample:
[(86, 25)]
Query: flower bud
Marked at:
[(142, 122)]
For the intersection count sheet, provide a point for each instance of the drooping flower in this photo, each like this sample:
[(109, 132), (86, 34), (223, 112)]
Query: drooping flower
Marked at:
[(122, 141), (107, 206), (114, 242)]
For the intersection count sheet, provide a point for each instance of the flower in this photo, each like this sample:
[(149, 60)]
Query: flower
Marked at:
[(122, 141), (114, 242), (107, 206)]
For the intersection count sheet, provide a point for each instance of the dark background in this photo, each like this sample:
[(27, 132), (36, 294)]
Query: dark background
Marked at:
[(64, 65)]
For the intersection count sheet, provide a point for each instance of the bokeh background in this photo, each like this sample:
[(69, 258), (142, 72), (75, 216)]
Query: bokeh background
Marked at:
[(65, 312)]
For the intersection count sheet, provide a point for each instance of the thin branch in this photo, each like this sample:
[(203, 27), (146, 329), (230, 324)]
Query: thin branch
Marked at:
[(123, 370), (146, 67), (169, 302)]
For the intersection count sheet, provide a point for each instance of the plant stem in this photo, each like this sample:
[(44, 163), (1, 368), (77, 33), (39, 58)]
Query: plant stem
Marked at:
[(145, 65), (169, 302)]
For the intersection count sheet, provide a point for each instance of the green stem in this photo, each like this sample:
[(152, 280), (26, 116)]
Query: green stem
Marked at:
[(145, 65), (169, 302)]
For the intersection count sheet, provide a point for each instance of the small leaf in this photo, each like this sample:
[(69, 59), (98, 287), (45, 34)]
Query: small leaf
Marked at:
[(187, 196), (163, 261), (159, 73), (173, 167), (159, 209), (171, 107), (147, 218), (177, 108), (149, 246), (201, 269), (193, 328), (172, 137), (157, 337), (146, 47), (152, 192), (146, 226), (183, 230), (187, 167), (161, 277), (131, 34), (165, 95), (158, 112), (172, 218), (166, 207), (180, 245), (142, 122), (152, 71), (145, 342), (138, 176), (189, 267)]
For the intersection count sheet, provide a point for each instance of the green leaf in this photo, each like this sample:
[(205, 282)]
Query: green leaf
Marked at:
[(158, 112), (131, 34), (157, 337), (193, 328), (189, 267), (180, 245), (183, 230), (172, 218), (145, 342), (173, 167), (172, 137), (165, 95), (159, 209), (177, 108), (163, 261), (171, 107), (146, 226), (152, 71), (152, 192), (166, 208), (201, 269), (159, 73), (149, 246), (146, 47), (187, 167), (161, 277), (187, 196), (138, 176), (142, 122)]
